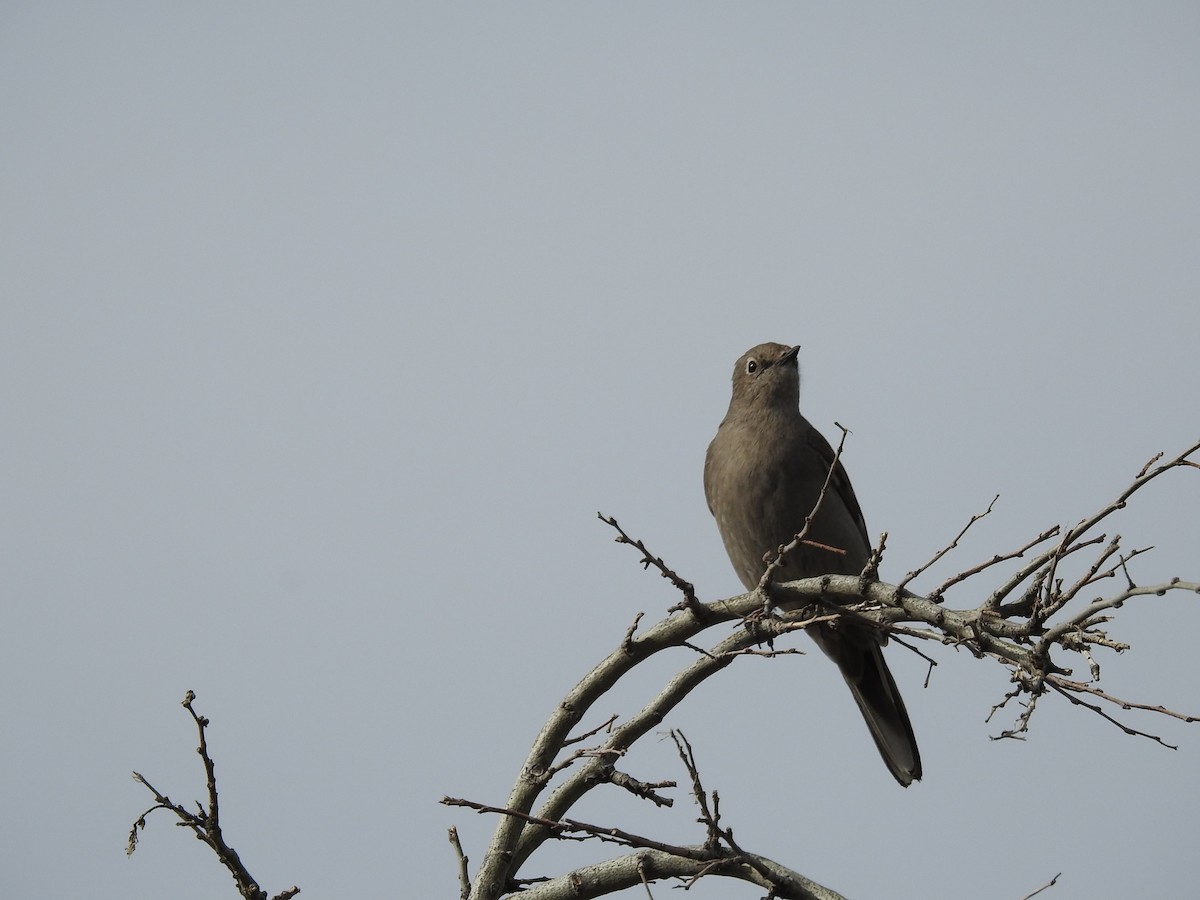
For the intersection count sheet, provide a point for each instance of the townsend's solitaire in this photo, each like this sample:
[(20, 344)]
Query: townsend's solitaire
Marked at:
[(762, 476)]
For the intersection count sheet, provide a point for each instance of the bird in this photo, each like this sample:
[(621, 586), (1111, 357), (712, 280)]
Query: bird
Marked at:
[(763, 473)]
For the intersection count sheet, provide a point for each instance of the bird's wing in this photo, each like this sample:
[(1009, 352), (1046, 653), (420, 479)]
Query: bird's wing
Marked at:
[(840, 481)]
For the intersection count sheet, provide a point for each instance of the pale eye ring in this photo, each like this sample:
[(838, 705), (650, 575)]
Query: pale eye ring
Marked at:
[(751, 366)]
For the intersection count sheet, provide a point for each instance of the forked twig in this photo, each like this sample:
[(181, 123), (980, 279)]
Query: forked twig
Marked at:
[(205, 823)]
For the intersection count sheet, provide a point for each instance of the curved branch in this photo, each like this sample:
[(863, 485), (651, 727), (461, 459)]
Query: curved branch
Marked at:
[(645, 866)]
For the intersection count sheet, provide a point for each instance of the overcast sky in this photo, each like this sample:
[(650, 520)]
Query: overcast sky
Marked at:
[(328, 328)]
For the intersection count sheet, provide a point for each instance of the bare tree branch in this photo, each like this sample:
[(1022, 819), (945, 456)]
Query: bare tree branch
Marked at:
[(464, 874), (205, 824), (1031, 624), (644, 866), (1037, 623), (718, 855)]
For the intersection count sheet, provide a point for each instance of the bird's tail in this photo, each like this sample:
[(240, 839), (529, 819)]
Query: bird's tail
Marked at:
[(860, 657)]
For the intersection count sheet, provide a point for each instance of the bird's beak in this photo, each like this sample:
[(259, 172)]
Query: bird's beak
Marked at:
[(790, 355)]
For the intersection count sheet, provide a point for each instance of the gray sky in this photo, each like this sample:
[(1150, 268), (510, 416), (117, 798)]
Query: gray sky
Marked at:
[(328, 329)]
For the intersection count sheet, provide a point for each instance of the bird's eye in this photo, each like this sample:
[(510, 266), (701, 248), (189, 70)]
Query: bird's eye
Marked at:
[(751, 366)]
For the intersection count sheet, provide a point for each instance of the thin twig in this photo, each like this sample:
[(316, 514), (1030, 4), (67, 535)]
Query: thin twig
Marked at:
[(1049, 884), (649, 559), (1068, 685), (941, 589), (570, 829), (1102, 714), (951, 546), (801, 537), (587, 734)]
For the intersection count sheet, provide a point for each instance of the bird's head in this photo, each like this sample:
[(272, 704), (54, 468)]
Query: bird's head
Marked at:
[(767, 377)]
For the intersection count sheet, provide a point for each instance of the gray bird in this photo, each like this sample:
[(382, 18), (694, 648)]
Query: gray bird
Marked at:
[(762, 476)]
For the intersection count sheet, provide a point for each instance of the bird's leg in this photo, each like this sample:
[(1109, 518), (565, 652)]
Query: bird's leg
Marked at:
[(767, 609), (754, 621)]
